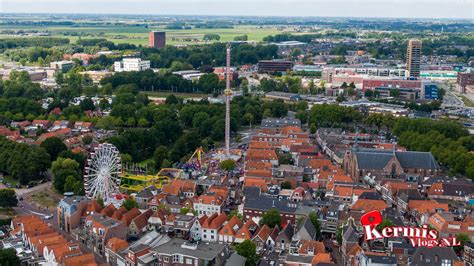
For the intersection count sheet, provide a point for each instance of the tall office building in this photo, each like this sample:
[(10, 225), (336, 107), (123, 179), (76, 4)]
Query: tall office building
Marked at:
[(157, 39), (414, 58)]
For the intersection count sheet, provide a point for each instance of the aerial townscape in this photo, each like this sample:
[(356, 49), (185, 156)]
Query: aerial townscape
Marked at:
[(139, 139)]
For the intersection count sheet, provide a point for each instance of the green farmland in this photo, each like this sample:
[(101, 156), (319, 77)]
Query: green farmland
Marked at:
[(139, 34)]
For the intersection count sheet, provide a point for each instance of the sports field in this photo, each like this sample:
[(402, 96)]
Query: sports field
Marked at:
[(139, 34)]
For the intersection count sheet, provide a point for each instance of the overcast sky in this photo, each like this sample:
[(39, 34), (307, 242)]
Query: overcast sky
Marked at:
[(331, 8)]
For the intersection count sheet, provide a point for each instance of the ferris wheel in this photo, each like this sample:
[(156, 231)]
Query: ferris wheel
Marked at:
[(102, 172)]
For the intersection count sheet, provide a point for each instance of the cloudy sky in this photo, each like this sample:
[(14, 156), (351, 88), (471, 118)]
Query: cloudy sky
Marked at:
[(330, 8)]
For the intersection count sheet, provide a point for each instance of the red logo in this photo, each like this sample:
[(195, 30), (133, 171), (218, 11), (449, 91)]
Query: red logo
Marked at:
[(418, 236)]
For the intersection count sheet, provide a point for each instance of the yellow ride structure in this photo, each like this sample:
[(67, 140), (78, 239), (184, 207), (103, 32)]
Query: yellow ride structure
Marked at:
[(137, 182)]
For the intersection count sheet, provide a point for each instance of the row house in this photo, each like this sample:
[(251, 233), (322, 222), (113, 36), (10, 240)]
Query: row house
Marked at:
[(447, 226), (173, 203), (112, 249), (81, 126), (420, 210), (390, 189), (451, 191), (227, 233), (255, 205), (48, 246), (180, 224), (138, 226), (209, 204), (266, 237), (404, 196), (97, 230), (347, 194), (145, 195), (180, 187), (211, 226), (267, 156)]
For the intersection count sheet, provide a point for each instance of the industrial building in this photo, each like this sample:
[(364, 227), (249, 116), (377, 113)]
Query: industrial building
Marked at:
[(271, 66)]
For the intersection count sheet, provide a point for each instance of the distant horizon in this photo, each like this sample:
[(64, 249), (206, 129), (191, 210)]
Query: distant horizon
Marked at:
[(233, 16), (389, 9)]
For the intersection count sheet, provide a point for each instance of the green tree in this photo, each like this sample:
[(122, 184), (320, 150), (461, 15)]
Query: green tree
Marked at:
[(161, 154), (8, 257), (8, 198), (171, 99), (53, 147), (248, 249), (339, 235), (87, 140), (234, 213), (463, 239), (100, 201), (63, 168), (271, 218), (385, 223), (228, 165), (87, 105), (129, 203), (313, 128), (285, 185), (313, 217), (368, 93), (302, 116)]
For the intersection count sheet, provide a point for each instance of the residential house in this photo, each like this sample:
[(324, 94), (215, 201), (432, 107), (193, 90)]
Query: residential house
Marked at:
[(451, 191), (447, 226), (284, 238), (209, 204), (138, 225), (246, 232), (436, 256), (211, 227), (420, 210), (98, 229), (144, 196), (113, 247), (305, 231), (255, 205), (228, 232)]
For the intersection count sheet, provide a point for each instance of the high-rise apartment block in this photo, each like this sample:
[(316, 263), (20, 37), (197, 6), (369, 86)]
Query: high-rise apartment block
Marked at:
[(414, 58), (157, 39)]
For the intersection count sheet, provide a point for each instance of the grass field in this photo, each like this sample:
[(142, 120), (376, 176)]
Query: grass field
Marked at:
[(139, 34), (44, 199), (11, 180)]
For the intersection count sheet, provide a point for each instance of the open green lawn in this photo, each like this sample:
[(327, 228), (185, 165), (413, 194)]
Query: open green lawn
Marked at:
[(139, 34), (9, 179)]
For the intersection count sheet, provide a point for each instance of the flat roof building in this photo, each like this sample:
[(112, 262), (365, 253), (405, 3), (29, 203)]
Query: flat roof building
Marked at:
[(131, 64), (157, 39), (270, 66), (414, 58)]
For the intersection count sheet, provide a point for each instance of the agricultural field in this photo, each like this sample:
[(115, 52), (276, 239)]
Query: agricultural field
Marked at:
[(139, 34)]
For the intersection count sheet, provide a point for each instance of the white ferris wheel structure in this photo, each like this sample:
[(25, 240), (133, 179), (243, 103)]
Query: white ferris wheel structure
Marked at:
[(102, 172)]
